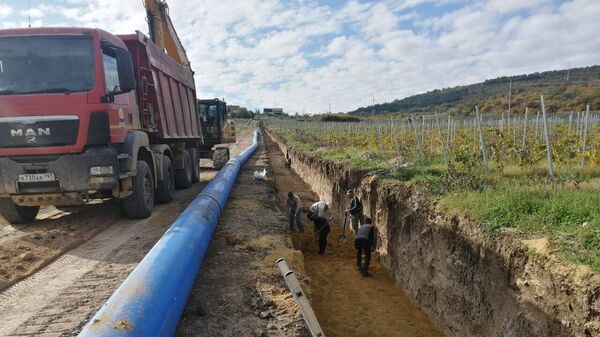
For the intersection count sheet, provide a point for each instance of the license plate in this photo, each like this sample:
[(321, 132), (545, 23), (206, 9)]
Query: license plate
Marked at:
[(37, 177)]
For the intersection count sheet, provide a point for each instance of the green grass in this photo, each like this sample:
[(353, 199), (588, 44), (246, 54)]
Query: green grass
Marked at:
[(568, 216)]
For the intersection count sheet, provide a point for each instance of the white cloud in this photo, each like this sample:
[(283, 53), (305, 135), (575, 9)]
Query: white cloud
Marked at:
[(5, 10), (301, 53), (33, 13)]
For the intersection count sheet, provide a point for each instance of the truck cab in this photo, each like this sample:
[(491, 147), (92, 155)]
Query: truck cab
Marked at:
[(70, 127)]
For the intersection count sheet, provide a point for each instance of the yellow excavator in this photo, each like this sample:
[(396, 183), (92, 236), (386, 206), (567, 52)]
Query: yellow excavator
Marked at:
[(216, 127)]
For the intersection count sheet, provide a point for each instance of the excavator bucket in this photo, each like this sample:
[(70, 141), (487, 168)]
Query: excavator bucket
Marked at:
[(228, 134)]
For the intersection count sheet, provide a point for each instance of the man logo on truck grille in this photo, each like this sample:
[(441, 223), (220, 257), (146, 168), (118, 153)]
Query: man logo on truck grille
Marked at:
[(30, 132)]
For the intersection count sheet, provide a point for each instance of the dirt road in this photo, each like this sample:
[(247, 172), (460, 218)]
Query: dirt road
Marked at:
[(58, 271), (239, 290), (347, 304)]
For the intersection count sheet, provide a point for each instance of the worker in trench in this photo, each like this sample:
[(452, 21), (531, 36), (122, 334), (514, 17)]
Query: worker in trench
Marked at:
[(354, 210), (364, 243), (317, 213), (294, 214)]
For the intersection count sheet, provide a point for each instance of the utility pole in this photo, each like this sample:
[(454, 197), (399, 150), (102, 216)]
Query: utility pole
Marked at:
[(329, 111)]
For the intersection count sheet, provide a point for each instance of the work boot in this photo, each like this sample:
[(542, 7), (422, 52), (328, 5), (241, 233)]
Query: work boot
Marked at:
[(365, 273)]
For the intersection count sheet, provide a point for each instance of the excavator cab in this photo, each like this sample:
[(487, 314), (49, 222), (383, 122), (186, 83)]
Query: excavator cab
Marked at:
[(216, 129)]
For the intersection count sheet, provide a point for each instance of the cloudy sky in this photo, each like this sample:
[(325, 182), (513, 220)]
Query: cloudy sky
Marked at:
[(304, 55)]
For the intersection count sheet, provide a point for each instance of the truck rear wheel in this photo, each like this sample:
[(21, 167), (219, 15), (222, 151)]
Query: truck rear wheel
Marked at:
[(166, 188), (220, 157), (140, 203), (183, 177), (14, 213), (195, 165)]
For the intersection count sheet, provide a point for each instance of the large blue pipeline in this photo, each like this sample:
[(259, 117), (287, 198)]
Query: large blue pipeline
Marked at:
[(152, 298)]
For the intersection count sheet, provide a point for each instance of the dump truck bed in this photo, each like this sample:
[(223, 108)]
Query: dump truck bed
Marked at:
[(166, 92)]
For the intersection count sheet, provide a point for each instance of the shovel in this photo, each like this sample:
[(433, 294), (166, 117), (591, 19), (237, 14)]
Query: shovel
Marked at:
[(342, 237)]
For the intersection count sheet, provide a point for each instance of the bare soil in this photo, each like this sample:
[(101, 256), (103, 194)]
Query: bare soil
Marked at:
[(239, 290), (346, 303)]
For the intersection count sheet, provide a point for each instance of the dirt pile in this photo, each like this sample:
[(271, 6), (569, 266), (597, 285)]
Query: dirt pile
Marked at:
[(470, 281)]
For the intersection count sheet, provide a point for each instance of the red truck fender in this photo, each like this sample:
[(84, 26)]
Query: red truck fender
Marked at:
[(137, 147)]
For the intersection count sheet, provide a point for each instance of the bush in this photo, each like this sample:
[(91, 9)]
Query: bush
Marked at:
[(339, 118)]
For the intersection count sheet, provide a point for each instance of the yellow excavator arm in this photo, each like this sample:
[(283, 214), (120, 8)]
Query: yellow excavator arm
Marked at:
[(162, 31)]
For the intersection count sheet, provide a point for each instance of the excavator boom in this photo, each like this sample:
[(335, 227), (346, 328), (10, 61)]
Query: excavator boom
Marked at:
[(162, 31)]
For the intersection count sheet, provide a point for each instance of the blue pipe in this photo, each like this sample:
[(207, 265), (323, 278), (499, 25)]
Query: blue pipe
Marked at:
[(150, 301)]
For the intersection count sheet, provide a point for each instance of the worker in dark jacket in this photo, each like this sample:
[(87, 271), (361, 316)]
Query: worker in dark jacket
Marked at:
[(294, 215), (364, 243), (354, 210), (317, 213)]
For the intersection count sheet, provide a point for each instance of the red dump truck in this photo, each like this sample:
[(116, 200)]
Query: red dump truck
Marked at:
[(85, 114)]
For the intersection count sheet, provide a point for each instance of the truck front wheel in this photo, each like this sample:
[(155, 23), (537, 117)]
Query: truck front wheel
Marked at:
[(14, 213), (183, 177), (140, 203)]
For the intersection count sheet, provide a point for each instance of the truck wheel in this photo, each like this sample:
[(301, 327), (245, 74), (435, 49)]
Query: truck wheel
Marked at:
[(195, 165), (166, 188), (183, 177), (140, 203), (14, 213), (220, 157)]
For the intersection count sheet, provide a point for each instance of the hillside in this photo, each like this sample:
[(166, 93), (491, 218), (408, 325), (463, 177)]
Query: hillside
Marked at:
[(581, 88)]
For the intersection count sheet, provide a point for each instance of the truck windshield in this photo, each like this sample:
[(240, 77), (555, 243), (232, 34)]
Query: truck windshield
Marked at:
[(209, 119), (46, 64)]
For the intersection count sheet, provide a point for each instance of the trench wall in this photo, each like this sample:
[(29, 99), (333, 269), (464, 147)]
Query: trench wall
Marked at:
[(470, 281)]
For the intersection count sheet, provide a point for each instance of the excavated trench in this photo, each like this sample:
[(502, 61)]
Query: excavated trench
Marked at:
[(468, 280), (346, 304)]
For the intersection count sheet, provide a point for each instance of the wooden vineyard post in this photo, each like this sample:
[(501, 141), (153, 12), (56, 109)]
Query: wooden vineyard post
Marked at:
[(537, 124), (525, 129), (547, 139), (442, 144), (481, 140), (417, 140), (585, 132), (570, 122), (449, 131), (577, 123), (379, 138)]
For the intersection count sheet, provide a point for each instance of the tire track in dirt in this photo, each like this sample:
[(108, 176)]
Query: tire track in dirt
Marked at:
[(61, 297)]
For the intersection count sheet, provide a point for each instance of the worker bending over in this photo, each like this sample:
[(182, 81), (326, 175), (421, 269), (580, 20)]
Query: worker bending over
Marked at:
[(294, 214), (364, 243), (317, 214), (354, 210)]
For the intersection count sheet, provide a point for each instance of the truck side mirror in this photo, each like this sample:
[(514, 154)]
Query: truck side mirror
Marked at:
[(125, 69)]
